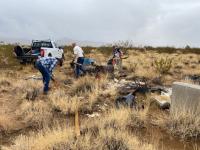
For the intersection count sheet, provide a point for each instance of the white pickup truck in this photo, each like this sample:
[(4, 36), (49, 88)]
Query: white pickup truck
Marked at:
[(39, 48), (44, 48)]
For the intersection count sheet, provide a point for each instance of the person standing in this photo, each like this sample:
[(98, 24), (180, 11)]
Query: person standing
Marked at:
[(78, 59), (46, 65), (117, 57)]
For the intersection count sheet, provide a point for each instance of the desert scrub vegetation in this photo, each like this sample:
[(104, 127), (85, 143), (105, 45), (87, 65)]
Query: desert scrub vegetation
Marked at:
[(163, 65), (87, 84), (106, 132), (64, 139), (22, 103), (35, 114), (81, 96), (184, 124), (49, 120), (6, 122), (60, 101), (106, 50), (131, 66), (6, 56)]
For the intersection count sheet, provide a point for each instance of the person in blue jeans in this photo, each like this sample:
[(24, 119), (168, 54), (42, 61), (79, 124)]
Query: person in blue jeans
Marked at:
[(46, 65), (79, 67), (78, 59)]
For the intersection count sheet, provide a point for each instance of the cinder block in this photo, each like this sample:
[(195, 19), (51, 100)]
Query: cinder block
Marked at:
[(185, 97)]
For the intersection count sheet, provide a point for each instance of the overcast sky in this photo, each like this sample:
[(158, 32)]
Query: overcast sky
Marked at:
[(145, 22)]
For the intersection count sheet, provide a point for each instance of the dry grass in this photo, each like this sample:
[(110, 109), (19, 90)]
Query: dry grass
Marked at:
[(185, 124), (82, 95), (60, 101), (36, 114), (109, 134), (6, 122), (113, 129), (141, 64), (87, 84), (44, 140)]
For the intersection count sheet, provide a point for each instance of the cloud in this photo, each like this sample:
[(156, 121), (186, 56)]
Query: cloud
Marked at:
[(152, 22)]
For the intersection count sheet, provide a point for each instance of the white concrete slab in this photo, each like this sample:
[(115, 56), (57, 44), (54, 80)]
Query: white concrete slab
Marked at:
[(185, 97)]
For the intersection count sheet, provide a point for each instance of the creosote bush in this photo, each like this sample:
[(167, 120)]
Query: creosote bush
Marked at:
[(163, 65)]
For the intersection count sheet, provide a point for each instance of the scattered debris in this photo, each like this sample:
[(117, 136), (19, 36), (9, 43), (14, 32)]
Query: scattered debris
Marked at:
[(32, 94), (104, 69), (160, 104), (93, 115), (157, 81), (128, 100), (34, 77), (167, 92), (194, 78)]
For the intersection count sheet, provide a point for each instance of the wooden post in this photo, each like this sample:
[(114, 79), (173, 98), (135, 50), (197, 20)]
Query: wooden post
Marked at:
[(77, 125)]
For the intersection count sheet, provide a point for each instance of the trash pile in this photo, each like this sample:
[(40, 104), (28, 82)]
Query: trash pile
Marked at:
[(129, 89)]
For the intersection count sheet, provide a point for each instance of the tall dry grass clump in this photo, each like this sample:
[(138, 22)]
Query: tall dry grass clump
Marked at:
[(108, 132), (82, 95), (44, 140), (87, 84), (6, 122), (35, 114), (63, 102), (185, 124)]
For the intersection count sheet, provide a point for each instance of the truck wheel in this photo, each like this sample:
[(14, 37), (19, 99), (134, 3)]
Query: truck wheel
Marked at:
[(19, 51)]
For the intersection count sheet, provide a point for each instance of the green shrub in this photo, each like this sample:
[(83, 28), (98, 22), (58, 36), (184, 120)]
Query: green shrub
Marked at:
[(163, 65)]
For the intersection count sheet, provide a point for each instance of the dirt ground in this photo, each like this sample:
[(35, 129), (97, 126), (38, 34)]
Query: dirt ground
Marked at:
[(30, 120)]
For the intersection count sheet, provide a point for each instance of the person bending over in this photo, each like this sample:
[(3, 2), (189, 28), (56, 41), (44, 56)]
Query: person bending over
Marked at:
[(46, 65)]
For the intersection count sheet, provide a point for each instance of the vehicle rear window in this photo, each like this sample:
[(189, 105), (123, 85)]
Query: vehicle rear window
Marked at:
[(42, 44)]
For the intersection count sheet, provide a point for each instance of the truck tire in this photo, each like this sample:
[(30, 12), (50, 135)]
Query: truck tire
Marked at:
[(19, 51), (49, 55)]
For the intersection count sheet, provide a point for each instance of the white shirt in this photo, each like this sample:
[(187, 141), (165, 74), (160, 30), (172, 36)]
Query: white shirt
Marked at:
[(78, 51)]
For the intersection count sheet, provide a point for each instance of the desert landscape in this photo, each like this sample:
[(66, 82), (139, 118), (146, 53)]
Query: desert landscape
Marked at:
[(82, 113)]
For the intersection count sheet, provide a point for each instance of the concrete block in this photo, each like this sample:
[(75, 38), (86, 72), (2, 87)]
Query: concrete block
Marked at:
[(185, 97)]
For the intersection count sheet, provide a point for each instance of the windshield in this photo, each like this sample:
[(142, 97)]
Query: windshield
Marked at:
[(42, 44)]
